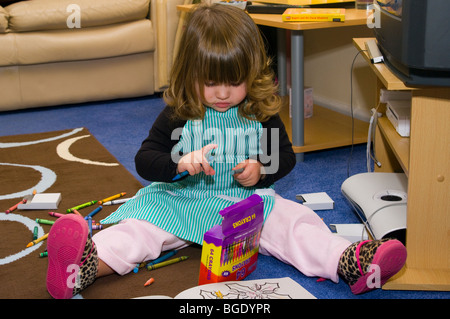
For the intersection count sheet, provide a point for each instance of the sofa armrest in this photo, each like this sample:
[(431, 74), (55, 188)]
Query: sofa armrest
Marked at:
[(165, 18)]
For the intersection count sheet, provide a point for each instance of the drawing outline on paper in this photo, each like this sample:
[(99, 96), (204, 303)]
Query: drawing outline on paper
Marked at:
[(266, 290)]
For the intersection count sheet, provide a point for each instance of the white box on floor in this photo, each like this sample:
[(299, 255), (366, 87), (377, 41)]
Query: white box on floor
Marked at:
[(41, 201), (351, 232), (316, 201)]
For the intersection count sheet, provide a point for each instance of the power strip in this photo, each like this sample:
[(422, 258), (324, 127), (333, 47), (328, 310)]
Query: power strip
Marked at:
[(374, 53)]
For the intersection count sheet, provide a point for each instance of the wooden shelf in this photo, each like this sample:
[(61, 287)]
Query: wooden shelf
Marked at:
[(399, 145), (326, 129), (389, 79)]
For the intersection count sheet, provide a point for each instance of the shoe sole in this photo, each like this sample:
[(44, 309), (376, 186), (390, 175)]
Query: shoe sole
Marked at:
[(65, 245), (390, 258)]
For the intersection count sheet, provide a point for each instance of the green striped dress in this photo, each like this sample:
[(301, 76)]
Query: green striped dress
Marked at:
[(190, 207)]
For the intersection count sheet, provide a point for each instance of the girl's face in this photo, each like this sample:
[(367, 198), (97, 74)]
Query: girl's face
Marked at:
[(221, 97)]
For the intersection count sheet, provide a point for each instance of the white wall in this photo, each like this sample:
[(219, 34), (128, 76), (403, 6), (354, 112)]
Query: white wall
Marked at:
[(329, 54)]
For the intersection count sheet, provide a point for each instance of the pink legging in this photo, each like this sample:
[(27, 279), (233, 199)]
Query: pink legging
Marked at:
[(292, 233)]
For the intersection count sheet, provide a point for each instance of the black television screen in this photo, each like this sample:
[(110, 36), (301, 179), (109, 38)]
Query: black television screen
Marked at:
[(414, 38)]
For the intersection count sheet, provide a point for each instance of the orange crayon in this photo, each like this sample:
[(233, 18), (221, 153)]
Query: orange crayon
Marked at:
[(76, 212), (149, 282)]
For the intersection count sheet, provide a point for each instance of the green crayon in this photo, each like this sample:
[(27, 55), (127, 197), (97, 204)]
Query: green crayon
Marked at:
[(45, 221), (167, 263), (35, 232), (82, 206)]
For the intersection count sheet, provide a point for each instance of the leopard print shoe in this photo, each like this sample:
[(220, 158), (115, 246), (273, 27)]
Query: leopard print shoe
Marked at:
[(72, 257), (367, 265), (88, 267)]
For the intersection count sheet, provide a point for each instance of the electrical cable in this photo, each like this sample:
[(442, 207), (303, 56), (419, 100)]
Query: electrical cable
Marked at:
[(351, 111)]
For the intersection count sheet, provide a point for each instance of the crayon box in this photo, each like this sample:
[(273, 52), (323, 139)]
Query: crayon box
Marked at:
[(230, 250)]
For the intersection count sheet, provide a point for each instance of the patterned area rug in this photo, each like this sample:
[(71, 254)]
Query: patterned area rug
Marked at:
[(74, 164)]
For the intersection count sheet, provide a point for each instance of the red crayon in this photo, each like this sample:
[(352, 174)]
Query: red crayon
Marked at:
[(15, 206)]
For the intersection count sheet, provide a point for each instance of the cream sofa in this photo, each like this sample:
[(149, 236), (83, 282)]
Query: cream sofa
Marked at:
[(55, 52)]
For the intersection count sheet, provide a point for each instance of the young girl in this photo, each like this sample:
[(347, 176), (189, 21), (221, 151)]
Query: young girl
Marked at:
[(220, 126)]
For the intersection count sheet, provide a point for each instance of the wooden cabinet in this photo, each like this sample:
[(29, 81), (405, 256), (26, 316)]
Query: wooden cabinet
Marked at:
[(425, 159)]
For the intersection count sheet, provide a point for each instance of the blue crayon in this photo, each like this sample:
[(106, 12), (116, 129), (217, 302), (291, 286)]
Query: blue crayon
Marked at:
[(179, 176), (89, 218), (183, 174), (162, 258), (95, 211)]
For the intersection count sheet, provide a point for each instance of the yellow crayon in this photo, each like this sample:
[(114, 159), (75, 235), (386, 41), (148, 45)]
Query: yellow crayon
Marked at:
[(107, 199), (34, 242), (219, 294)]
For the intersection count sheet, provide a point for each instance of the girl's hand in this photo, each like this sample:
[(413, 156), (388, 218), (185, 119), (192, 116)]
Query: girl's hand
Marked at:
[(196, 161), (251, 174)]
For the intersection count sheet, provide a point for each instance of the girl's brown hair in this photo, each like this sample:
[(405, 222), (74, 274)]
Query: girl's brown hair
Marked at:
[(221, 44)]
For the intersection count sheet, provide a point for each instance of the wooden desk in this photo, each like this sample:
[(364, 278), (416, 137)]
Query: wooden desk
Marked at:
[(425, 159), (326, 128)]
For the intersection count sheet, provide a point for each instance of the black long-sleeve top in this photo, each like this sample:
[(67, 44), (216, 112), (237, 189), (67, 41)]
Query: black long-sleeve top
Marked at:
[(154, 162)]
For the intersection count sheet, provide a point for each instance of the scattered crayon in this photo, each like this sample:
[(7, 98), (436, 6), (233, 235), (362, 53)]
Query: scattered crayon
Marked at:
[(162, 258), (35, 232), (149, 282), (219, 294), (167, 263), (23, 201), (77, 212), (54, 214), (107, 199), (44, 221), (44, 254), (34, 242), (95, 211), (117, 201), (139, 265), (89, 219), (82, 206)]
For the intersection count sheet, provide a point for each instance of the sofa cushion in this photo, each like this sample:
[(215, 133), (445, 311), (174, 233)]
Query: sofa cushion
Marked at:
[(3, 20), (85, 44), (38, 15)]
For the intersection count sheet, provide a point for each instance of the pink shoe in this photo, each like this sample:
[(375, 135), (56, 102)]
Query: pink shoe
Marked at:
[(72, 257), (367, 265)]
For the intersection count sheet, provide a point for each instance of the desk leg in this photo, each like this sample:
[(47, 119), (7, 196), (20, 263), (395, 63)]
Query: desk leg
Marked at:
[(297, 94), (281, 62)]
